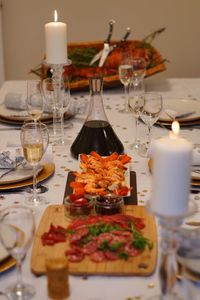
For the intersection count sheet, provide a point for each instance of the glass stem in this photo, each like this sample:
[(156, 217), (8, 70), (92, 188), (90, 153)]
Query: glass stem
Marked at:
[(34, 182), (136, 131), (126, 93), (148, 136), (19, 274)]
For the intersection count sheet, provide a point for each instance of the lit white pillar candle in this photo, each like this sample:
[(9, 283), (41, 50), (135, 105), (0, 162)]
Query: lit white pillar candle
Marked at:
[(172, 159), (56, 41)]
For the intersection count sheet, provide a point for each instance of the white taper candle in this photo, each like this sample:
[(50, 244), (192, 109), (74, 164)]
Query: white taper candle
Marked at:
[(56, 41)]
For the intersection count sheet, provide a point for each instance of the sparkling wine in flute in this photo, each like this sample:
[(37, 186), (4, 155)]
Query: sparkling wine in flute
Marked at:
[(33, 153), (125, 74)]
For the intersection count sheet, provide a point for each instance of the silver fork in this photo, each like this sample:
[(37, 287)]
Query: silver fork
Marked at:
[(12, 169)]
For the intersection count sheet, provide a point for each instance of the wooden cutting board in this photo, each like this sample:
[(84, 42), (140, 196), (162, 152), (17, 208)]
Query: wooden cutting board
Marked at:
[(143, 264)]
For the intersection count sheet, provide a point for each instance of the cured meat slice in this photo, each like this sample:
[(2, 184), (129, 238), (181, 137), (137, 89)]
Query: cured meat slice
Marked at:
[(98, 256)]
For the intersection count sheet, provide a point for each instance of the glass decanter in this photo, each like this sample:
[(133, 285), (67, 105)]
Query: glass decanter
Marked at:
[(96, 134)]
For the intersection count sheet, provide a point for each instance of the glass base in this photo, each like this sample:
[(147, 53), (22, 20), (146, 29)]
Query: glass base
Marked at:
[(35, 200), (135, 146), (125, 111), (143, 150), (67, 125), (60, 142), (26, 292), (40, 189)]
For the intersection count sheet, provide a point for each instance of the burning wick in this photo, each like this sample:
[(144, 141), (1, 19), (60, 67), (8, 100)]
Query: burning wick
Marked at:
[(175, 129)]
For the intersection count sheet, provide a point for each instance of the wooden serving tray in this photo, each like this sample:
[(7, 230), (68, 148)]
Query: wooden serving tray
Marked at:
[(142, 265), (78, 82)]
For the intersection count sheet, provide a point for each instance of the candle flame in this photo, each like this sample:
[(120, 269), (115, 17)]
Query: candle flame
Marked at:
[(175, 127), (55, 16)]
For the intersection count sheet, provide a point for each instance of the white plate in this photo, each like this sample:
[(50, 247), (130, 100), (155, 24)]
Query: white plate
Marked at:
[(20, 174), (3, 252), (180, 106)]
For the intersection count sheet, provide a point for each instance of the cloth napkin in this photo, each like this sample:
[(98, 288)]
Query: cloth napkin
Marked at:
[(195, 153), (17, 101), (9, 157)]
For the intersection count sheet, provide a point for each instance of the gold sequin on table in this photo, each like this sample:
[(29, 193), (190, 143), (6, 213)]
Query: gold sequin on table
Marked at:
[(141, 201), (151, 285), (57, 185), (197, 198)]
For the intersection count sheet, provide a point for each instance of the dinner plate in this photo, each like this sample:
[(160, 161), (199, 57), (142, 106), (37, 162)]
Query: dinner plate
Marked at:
[(180, 106), (46, 172), (19, 174), (3, 253), (17, 117), (7, 263)]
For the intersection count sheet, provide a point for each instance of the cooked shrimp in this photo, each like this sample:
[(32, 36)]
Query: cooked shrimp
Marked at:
[(94, 190)]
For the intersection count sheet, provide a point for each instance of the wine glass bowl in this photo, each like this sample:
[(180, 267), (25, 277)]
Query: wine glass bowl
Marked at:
[(150, 113), (139, 69), (17, 227), (125, 76), (136, 103), (34, 101), (34, 140)]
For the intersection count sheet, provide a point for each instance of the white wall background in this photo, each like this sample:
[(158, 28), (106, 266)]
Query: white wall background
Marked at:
[(23, 25)]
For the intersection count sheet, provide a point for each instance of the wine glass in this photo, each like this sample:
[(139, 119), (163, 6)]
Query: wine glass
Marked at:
[(125, 76), (34, 140), (149, 114), (135, 103), (57, 96), (34, 101), (17, 227)]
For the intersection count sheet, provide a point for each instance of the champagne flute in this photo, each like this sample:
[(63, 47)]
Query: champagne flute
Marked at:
[(34, 102), (149, 114), (125, 76), (34, 140), (57, 98), (17, 227)]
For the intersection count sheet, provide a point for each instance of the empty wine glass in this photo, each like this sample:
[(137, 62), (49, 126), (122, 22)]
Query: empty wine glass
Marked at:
[(57, 97), (34, 140), (17, 226), (149, 114), (135, 103), (34, 101), (125, 76)]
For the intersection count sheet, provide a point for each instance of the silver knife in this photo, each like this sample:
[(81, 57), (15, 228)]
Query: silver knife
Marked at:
[(107, 41), (108, 49)]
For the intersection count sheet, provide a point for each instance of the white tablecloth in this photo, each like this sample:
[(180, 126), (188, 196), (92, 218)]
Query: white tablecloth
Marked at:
[(100, 287)]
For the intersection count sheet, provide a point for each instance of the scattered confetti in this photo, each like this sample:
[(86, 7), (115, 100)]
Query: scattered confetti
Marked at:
[(151, 285)]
